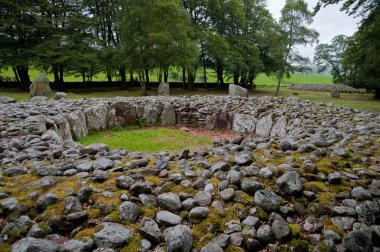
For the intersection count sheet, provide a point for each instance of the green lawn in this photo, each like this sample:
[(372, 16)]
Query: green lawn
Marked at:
[(148, 140), (176, 76), (358, 101)]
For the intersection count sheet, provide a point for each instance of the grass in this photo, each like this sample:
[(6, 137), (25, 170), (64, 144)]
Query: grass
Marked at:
[(176, 76), (357, 101), (151, 140)]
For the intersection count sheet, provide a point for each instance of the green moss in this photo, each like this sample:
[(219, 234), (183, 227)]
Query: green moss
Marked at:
[(295, 230), (329, 225), (114, 215), (94, 213), (89, 232), (316, 186), (4, 247), (153, 179), (327, 199), (233, 248), (261, 214), (147, 211), (299, 245), (133, 245)]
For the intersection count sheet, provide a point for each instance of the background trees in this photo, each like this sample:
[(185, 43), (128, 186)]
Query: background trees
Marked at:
[(361, 55), (329, 57), (294, 30)]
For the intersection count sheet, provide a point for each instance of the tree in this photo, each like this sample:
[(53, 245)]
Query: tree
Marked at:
[(294, 30), (362, 55), (352, 7), (330, 57), (155, 34), (18, 37)]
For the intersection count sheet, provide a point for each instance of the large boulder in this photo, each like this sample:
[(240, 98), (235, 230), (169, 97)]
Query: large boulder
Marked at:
[(244, 123), (335, 93), (41, 86), (31, 244), (97, 117), (279, 128), (112, 235), (168, 115), (78, 126), (7, 99), (235, 90), (220, 121), (121, 114), (178, 238), (264, 125), (164, 89)]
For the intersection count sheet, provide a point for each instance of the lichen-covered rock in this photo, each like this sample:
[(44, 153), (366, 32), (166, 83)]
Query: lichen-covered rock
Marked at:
[(112, 235), (268, 201), (31, 244), (178, 238), (164, 89), (244, 123), (235, 90), (78, 125), (96, 117), (264, 125)]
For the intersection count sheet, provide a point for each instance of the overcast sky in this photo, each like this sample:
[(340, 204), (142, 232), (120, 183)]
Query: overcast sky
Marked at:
[(329, 22)]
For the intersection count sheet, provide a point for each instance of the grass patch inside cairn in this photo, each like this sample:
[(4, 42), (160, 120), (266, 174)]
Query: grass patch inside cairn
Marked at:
[(150, 140)]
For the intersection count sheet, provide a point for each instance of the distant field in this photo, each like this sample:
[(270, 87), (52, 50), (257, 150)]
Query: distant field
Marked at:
[(176, 75)]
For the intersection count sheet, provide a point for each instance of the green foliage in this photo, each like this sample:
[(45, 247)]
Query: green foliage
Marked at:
[(330, 57), (142, 122), (293, 30), (363, 53)]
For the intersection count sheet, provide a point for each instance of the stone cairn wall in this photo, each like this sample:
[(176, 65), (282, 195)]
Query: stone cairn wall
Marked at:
[(307, 178), (326, 88)]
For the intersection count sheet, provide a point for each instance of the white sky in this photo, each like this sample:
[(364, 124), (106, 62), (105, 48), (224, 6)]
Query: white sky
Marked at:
[(329, 22)]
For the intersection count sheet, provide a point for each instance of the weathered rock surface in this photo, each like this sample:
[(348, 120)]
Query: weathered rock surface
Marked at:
[(40, 86)]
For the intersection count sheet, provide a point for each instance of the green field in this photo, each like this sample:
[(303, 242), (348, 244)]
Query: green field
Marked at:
[(148, 140), (176, 76)]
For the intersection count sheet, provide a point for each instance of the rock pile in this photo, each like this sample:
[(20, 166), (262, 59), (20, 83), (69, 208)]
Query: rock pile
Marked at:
[(308, 180), (326, 88)]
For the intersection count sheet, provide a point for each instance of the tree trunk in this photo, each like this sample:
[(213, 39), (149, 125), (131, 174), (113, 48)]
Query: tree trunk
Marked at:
[(123, 77), (205, 74), (166, 74), (23, 74), (142, 76), (61, 81), (219, 73), (16, 75), (184, 78), (109, 77), (377, 93), (190, 78), (278, 85), (147, 81), (236, 77), (83, 76), (159, 75)]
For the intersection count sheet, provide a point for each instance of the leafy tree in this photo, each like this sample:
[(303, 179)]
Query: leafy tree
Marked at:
[(352, 7), (155, 33), (294, 30), (330, 57), (104, 18), (18, 36), (362, 55)]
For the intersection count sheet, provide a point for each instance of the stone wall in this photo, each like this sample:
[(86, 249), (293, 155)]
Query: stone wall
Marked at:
[(326, 88)]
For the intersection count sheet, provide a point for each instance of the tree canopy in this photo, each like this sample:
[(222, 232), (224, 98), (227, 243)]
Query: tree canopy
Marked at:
[(235, 38)]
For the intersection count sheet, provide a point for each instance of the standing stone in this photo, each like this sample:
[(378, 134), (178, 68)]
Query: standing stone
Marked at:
[(235, 90), (168, 116), (121, 114), (41, 86), (220, 120), (151, 113), (264, 125), (78, 126), (164, 89), (63, 127), (96, 117), (279, 128), (244, 123), (335, 93)]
